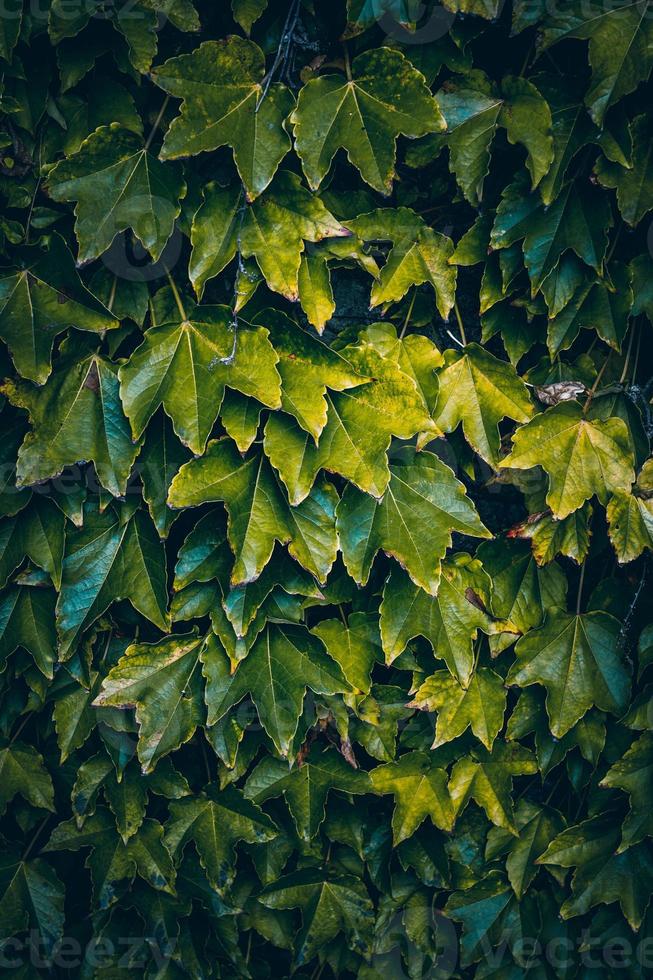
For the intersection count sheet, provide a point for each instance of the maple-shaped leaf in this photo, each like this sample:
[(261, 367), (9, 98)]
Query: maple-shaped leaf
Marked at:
[(480, 706), (576, 658), (117, 185), (415, 355), (215, 822), (537, 826), (419, 787), (354, 644), (31, 895), (225, 104), (40, 299), (307, 368), (630, 520), (486, 777), (550, 537), (632, 774), (360, 425), (115, 555), (578, 219), (76, 416), (384, 96), (284, 661), (603, 874), (37, 534), (160, 459), (163, 682), (620, 49), (572, 127), (478, 390), (185, 366), (594, 306), (111, 861), (271, 229), (449, 620), (27, 620), (305, 787), (582, 457), (634, 186), (474, 109), (522, 591), (413, 522), (418, 255), (330, 905), (259, 513), (22, 771)]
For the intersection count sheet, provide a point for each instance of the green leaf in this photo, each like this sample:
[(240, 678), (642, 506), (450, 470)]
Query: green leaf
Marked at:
[(594, 306), (22, 771), (185, 366), (307, 368), (481, 706), (364, 114), (111, 860), (215, 823), (450, 621), (630, 520), (537, 827), (413, 522), (522, 591), (486, 777), (116, 555), (620, 49), (602, 874), (284, 661), (305, 787), (581, 457), (117, 185), (41, 299), (632, 774), (359, 429), (37, 534), (330, 905), (272, 229), (258, 511), (76, 416), (578, 219), (161, 458), (27, 620), (478, 390), (221, 85), (576, 658), (31, 894), (163, 682), (634, 186), (419, 787), (354, 645), (418, 255), (247, 12)]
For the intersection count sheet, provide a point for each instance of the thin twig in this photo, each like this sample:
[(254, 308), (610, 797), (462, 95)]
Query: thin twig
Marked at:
[(282, 51)]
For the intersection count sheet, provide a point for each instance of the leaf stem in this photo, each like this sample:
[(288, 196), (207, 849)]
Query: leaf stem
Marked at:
[(408, 315), (460, 322), (157, 122), (34, 837), (592, 390), (580, 588), (347, 61), (175, 293)]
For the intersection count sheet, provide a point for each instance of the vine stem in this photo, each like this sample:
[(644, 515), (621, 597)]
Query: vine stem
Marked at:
[(460, 322), (175, 293)]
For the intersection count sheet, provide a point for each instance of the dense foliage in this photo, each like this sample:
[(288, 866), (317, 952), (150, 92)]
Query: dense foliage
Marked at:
[(326, 489)]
